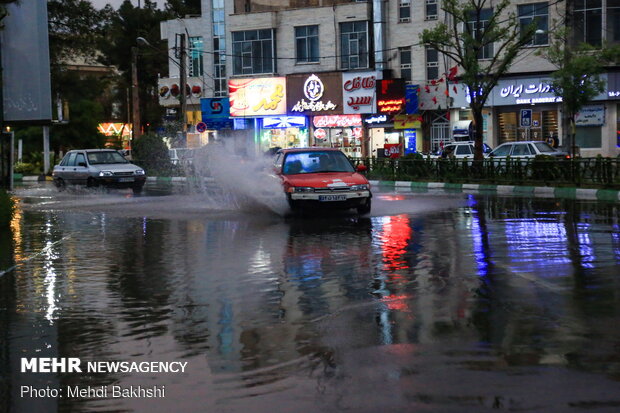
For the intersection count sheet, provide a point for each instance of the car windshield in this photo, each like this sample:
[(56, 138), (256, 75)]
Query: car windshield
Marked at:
[(107, 157), (544, 147), (316, 162)]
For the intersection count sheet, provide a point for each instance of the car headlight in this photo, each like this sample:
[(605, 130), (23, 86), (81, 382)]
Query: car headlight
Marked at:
[(303, 189), (139, 171), (105, 173), (363, 187)]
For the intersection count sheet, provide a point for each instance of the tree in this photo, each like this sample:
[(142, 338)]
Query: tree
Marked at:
[(125, 26), (578, 78), (475, 29)]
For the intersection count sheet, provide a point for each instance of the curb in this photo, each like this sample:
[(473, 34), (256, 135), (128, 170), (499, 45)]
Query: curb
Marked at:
[(535, 191)]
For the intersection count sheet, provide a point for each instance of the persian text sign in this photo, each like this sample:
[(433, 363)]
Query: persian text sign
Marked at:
[(359, 92), (257, 97), (337, 121), (407, 121), (390, 96), (314, 94), (590, 116)]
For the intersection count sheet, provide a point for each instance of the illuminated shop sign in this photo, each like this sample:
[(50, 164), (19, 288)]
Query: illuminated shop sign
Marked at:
[(359, 92), (315, 94), (257, 97), (281, 122), (390, 96), (526, 91), (214, 108), (337, 121), (376, 119)]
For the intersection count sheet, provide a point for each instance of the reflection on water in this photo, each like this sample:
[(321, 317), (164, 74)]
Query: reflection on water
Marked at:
[(323, 314)]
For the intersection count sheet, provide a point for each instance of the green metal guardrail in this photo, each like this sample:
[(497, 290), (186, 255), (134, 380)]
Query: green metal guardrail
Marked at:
[(591, 172)]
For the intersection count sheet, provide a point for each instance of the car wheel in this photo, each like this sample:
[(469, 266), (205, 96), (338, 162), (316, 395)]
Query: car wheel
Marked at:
[(60, 184), (365, 207), (91, 183), (137, 189)]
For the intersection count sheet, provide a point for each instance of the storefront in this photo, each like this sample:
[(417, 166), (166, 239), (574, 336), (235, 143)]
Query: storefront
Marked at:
[(282, 132), (263, 101), (390, 132), (527, 109), (344, 132), (320, 96)]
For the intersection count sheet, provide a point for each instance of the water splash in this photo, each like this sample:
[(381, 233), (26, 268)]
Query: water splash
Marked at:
[(245, 184)]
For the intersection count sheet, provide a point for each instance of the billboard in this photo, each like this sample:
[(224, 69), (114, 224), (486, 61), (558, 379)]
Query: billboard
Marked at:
[(314, 94), (26, 90), (257, 97), (359, 94)]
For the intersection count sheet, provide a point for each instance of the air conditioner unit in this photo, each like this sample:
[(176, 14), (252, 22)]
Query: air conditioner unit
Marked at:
[(431, 17), (404, 20)]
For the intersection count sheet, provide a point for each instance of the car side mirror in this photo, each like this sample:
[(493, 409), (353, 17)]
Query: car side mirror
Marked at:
[(82, 164), (361, 168)]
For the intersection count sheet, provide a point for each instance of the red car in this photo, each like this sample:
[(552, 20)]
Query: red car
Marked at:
[(322, 177)]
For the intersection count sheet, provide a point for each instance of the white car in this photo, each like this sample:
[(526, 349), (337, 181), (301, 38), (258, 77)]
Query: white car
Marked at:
[(461, 150), (526, 149), (98, 167)]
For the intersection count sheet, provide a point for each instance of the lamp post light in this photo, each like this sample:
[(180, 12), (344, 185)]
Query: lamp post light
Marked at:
[(135, 97)]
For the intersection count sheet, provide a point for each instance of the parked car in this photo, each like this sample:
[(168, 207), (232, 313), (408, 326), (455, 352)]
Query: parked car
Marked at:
[(95, 167), (460, 150), (323, 178), (526, 149)]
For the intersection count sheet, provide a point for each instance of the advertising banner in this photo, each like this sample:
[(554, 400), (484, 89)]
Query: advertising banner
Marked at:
[(359, 92), (257, 97), (170, 91), (314, 94), (391, 96), (26, 88), (337, 121), (407, 121)]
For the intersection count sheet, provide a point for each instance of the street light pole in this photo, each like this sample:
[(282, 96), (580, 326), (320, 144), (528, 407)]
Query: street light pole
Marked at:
[(183, 96), (135, 98)]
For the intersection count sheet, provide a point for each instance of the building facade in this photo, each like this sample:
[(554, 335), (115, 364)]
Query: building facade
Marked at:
[(263, 60)]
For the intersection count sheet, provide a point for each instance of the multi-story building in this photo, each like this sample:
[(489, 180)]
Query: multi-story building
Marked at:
[(258, 63)]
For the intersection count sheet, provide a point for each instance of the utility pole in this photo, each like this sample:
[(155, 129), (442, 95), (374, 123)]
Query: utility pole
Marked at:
[(183, 96), (135, 97)]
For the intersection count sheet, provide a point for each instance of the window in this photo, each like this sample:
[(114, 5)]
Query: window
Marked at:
[(588, 137), (196, 67), (354, 45), (405, 63), (521, 149), (587, 27), (538, 13), (80, 160), (307, 44), (404, 10), (503, 150), (219, 49), (253, 52), (431, 10), (478, 27), (463, 150), (432, 63)]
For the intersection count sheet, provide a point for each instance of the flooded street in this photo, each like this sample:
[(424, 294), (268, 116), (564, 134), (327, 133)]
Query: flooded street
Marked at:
[(436, 302)]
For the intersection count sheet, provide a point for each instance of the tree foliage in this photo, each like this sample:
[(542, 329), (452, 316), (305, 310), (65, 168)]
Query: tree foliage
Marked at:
[(577, 79), (125, 26), (469, 30)]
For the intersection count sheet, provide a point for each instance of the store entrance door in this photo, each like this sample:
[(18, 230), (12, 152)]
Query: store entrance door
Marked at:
[(440, 130)]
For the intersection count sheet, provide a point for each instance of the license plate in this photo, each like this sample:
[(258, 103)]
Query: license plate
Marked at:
[(327, 198), (125, 180)]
